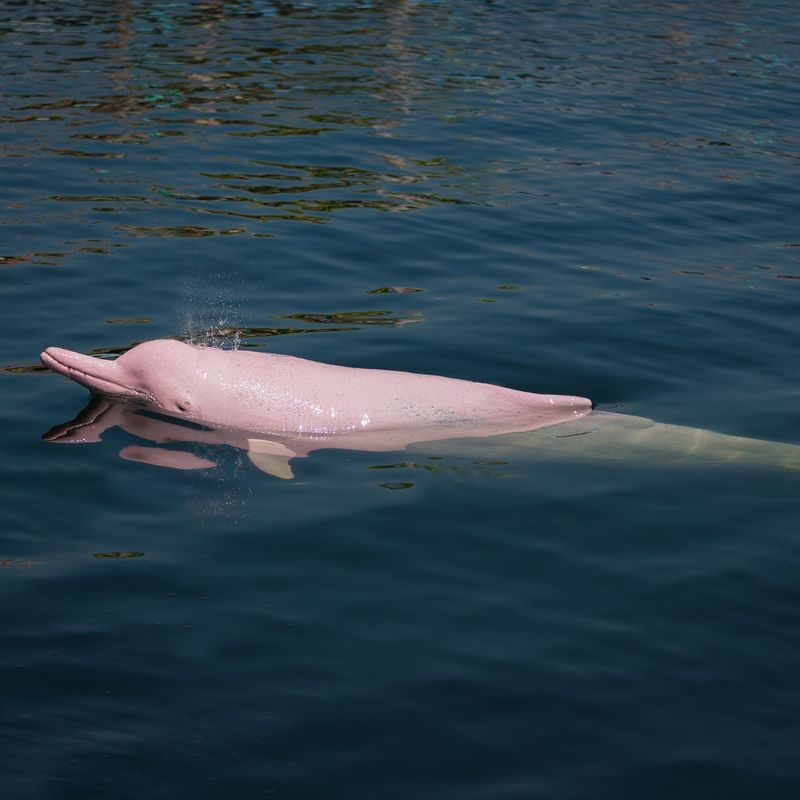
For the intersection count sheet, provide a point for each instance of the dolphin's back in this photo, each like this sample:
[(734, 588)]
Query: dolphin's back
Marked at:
[(295, 394)]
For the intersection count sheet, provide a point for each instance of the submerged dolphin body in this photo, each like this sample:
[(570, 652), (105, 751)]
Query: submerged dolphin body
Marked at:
[(279, 407)]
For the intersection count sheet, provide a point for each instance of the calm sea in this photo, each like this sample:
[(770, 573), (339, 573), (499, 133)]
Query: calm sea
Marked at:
[(596, 198)]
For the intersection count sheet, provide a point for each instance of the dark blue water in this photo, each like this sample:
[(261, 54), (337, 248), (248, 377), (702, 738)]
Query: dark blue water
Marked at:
[(595, 198)]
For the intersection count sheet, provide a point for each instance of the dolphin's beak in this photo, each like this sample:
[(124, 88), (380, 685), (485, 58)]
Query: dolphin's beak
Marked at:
[(96, 374)]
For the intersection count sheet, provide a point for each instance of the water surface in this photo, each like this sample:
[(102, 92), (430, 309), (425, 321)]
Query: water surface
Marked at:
[(589, 198)]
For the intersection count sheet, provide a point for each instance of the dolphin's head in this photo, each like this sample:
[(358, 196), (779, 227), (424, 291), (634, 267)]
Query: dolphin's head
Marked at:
[(162, 373)]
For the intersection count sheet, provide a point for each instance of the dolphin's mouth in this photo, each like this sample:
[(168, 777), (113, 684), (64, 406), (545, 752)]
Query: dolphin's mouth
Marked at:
[(98, 375)]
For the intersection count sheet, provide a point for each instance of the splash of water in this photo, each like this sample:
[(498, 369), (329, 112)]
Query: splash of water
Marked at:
[(210, 311)]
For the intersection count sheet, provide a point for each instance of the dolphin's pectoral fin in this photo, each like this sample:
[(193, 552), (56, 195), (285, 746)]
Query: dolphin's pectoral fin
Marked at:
[(277, 466), (271, 457)]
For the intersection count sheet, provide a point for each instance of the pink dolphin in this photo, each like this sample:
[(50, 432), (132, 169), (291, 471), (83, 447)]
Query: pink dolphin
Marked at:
[(279, 407), (290, 406)]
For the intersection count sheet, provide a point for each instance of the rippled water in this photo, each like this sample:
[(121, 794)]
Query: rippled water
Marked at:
[(594, 198)]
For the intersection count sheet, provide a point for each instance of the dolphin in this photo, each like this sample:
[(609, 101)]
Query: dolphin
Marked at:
[(279, 407), (266, 393)]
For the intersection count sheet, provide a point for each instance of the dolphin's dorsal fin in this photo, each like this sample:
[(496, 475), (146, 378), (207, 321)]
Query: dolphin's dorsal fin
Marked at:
[(271, 457)]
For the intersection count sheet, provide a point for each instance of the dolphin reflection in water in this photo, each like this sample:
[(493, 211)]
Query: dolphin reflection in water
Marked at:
[(278, 407)]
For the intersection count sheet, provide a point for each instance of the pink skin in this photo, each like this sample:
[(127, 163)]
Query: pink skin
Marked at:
[(320, 405)]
